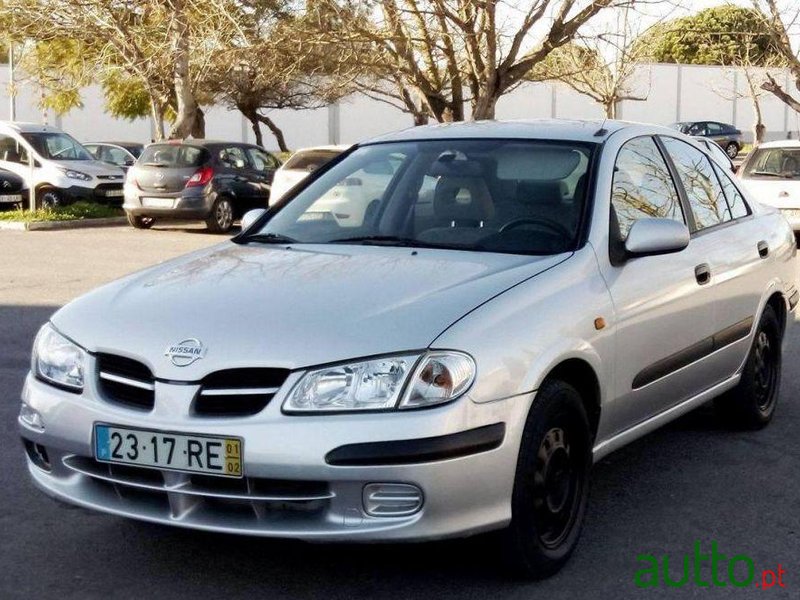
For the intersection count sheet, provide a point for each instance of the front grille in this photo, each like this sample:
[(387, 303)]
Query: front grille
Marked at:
[(237, 392), (249, 497), (111, 177), (125, 381)]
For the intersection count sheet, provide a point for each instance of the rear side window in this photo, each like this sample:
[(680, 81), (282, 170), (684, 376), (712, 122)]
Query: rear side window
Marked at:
[(173, 155), (736, 202), (232, 157), (642, 187), (703, 190), (310, 160)]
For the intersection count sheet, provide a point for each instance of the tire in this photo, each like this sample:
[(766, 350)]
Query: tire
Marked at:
[(140, 222), (732, 150), (49, 198), (551, 485), (221, 218), (751, 404)]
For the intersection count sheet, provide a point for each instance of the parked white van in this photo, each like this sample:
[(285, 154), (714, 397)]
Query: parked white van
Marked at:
[(56, 166)]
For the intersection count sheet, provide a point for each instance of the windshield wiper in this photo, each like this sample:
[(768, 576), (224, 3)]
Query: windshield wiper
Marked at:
[(266, 238), (385, 240), (770, 174)]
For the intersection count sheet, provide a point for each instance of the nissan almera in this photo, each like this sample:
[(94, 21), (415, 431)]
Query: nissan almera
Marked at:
[(516, 301)]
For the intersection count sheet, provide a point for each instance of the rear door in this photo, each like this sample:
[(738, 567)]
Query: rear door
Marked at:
[(262, 171), (663, 310), (165, 168), (732, 244), (234, 172)]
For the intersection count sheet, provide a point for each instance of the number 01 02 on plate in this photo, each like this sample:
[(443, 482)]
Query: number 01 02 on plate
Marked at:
[(191, 453)]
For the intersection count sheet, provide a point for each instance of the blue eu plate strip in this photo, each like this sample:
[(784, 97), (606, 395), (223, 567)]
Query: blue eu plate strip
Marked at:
[(102, 443)]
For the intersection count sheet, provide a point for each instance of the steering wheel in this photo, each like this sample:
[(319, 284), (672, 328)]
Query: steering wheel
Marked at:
[(60, 152), (544, 222)]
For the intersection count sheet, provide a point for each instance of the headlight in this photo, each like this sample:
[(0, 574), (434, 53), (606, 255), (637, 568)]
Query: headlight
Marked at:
[(57, 360), (386, 383), (77, 175)]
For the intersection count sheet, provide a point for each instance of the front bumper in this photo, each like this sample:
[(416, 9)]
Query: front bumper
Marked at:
[(315, 495), (110, 193)]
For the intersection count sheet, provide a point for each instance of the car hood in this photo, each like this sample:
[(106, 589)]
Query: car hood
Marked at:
[(260, 305), (780, 193), (90, 167)]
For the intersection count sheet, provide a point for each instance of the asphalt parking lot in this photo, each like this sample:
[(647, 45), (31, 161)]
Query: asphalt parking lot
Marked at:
[(692, 481)]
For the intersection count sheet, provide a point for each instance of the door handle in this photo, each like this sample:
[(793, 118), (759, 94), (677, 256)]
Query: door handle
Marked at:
[(763, 249), (702, 273)]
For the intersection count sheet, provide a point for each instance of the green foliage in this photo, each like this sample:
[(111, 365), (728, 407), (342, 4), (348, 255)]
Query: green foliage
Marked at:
[(125, 96), (59, 67), (721, 35), (74, 212)]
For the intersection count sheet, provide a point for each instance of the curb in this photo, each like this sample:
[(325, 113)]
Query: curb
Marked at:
[(60, 225)]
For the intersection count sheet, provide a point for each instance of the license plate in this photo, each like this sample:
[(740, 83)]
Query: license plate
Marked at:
[(190, 453), (10, 197), (157, 202), (114, 193)]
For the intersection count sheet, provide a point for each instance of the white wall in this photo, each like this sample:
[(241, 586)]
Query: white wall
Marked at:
[(673, 93)]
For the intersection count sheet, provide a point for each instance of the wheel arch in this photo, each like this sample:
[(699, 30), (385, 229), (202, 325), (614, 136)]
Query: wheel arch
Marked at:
[(778, 303), (578, 373)]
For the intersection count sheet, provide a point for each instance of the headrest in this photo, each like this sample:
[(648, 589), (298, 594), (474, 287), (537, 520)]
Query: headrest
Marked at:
[(449, 166), (462, 199), (539, 193)]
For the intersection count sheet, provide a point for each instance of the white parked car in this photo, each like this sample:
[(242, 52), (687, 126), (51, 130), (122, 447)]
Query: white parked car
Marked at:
[(57, 166), (302, 163), (529, 297), (772, 174)]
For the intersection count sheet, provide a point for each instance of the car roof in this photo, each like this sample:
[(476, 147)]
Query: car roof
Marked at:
[(24, 127), (780, 144), (120, 144), (590, 130), (336, 147)]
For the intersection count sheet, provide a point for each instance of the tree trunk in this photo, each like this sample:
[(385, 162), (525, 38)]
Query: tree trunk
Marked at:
[(275, 131), (157, 114), (256, 126), (199, 127), (186, 119), (610, 107), (485, 107)]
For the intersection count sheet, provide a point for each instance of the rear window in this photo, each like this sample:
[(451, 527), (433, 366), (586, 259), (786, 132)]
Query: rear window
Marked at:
[(310, 160), (773, 163), (173, 155)]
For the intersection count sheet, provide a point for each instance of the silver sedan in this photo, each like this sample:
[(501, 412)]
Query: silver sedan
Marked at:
[(517, 301)]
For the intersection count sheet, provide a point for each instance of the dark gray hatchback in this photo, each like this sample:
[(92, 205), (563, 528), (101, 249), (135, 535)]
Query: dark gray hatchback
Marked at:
[(198, 179)]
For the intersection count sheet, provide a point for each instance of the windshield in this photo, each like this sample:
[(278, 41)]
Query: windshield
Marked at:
[(509, 196), (173, 155), (781, 163), (57, 146)]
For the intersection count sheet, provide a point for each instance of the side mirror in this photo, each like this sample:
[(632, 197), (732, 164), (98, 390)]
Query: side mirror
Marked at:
[(648, 237), (251, 216), (129, 162), (239, 163)]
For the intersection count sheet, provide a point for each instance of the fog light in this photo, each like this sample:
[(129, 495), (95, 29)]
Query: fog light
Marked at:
[(391, 499), (31, 417), (38, 454)]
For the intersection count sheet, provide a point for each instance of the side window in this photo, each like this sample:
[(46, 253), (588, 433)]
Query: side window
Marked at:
[(117, 156), (697, 129), (736, 202), (642, 186), (93, 150), (702, 187), (12, 151), (714, 128), (233, 157), (261, 160)]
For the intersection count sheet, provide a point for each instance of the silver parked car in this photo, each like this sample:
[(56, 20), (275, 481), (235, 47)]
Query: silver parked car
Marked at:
[(526, 298)]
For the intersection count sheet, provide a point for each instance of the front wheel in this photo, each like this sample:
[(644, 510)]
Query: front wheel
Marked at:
[(48, 199), (551, 486), (221, 218), (751, 404), (732, 150)]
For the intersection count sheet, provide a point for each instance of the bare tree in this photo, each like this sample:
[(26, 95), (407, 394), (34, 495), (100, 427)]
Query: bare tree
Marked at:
[(449, 53), (601, 66), (782, 20)]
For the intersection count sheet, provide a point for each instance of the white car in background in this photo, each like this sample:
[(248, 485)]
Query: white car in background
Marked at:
[(772, 175), (299, 166), (57, 166)]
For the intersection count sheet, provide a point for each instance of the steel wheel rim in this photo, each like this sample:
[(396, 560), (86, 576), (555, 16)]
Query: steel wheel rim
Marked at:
[(224, 214), (765, 372), (556, 487), (732, 151)]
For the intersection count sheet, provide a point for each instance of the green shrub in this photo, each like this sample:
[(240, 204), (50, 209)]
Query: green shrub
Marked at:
[(73, 212)]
